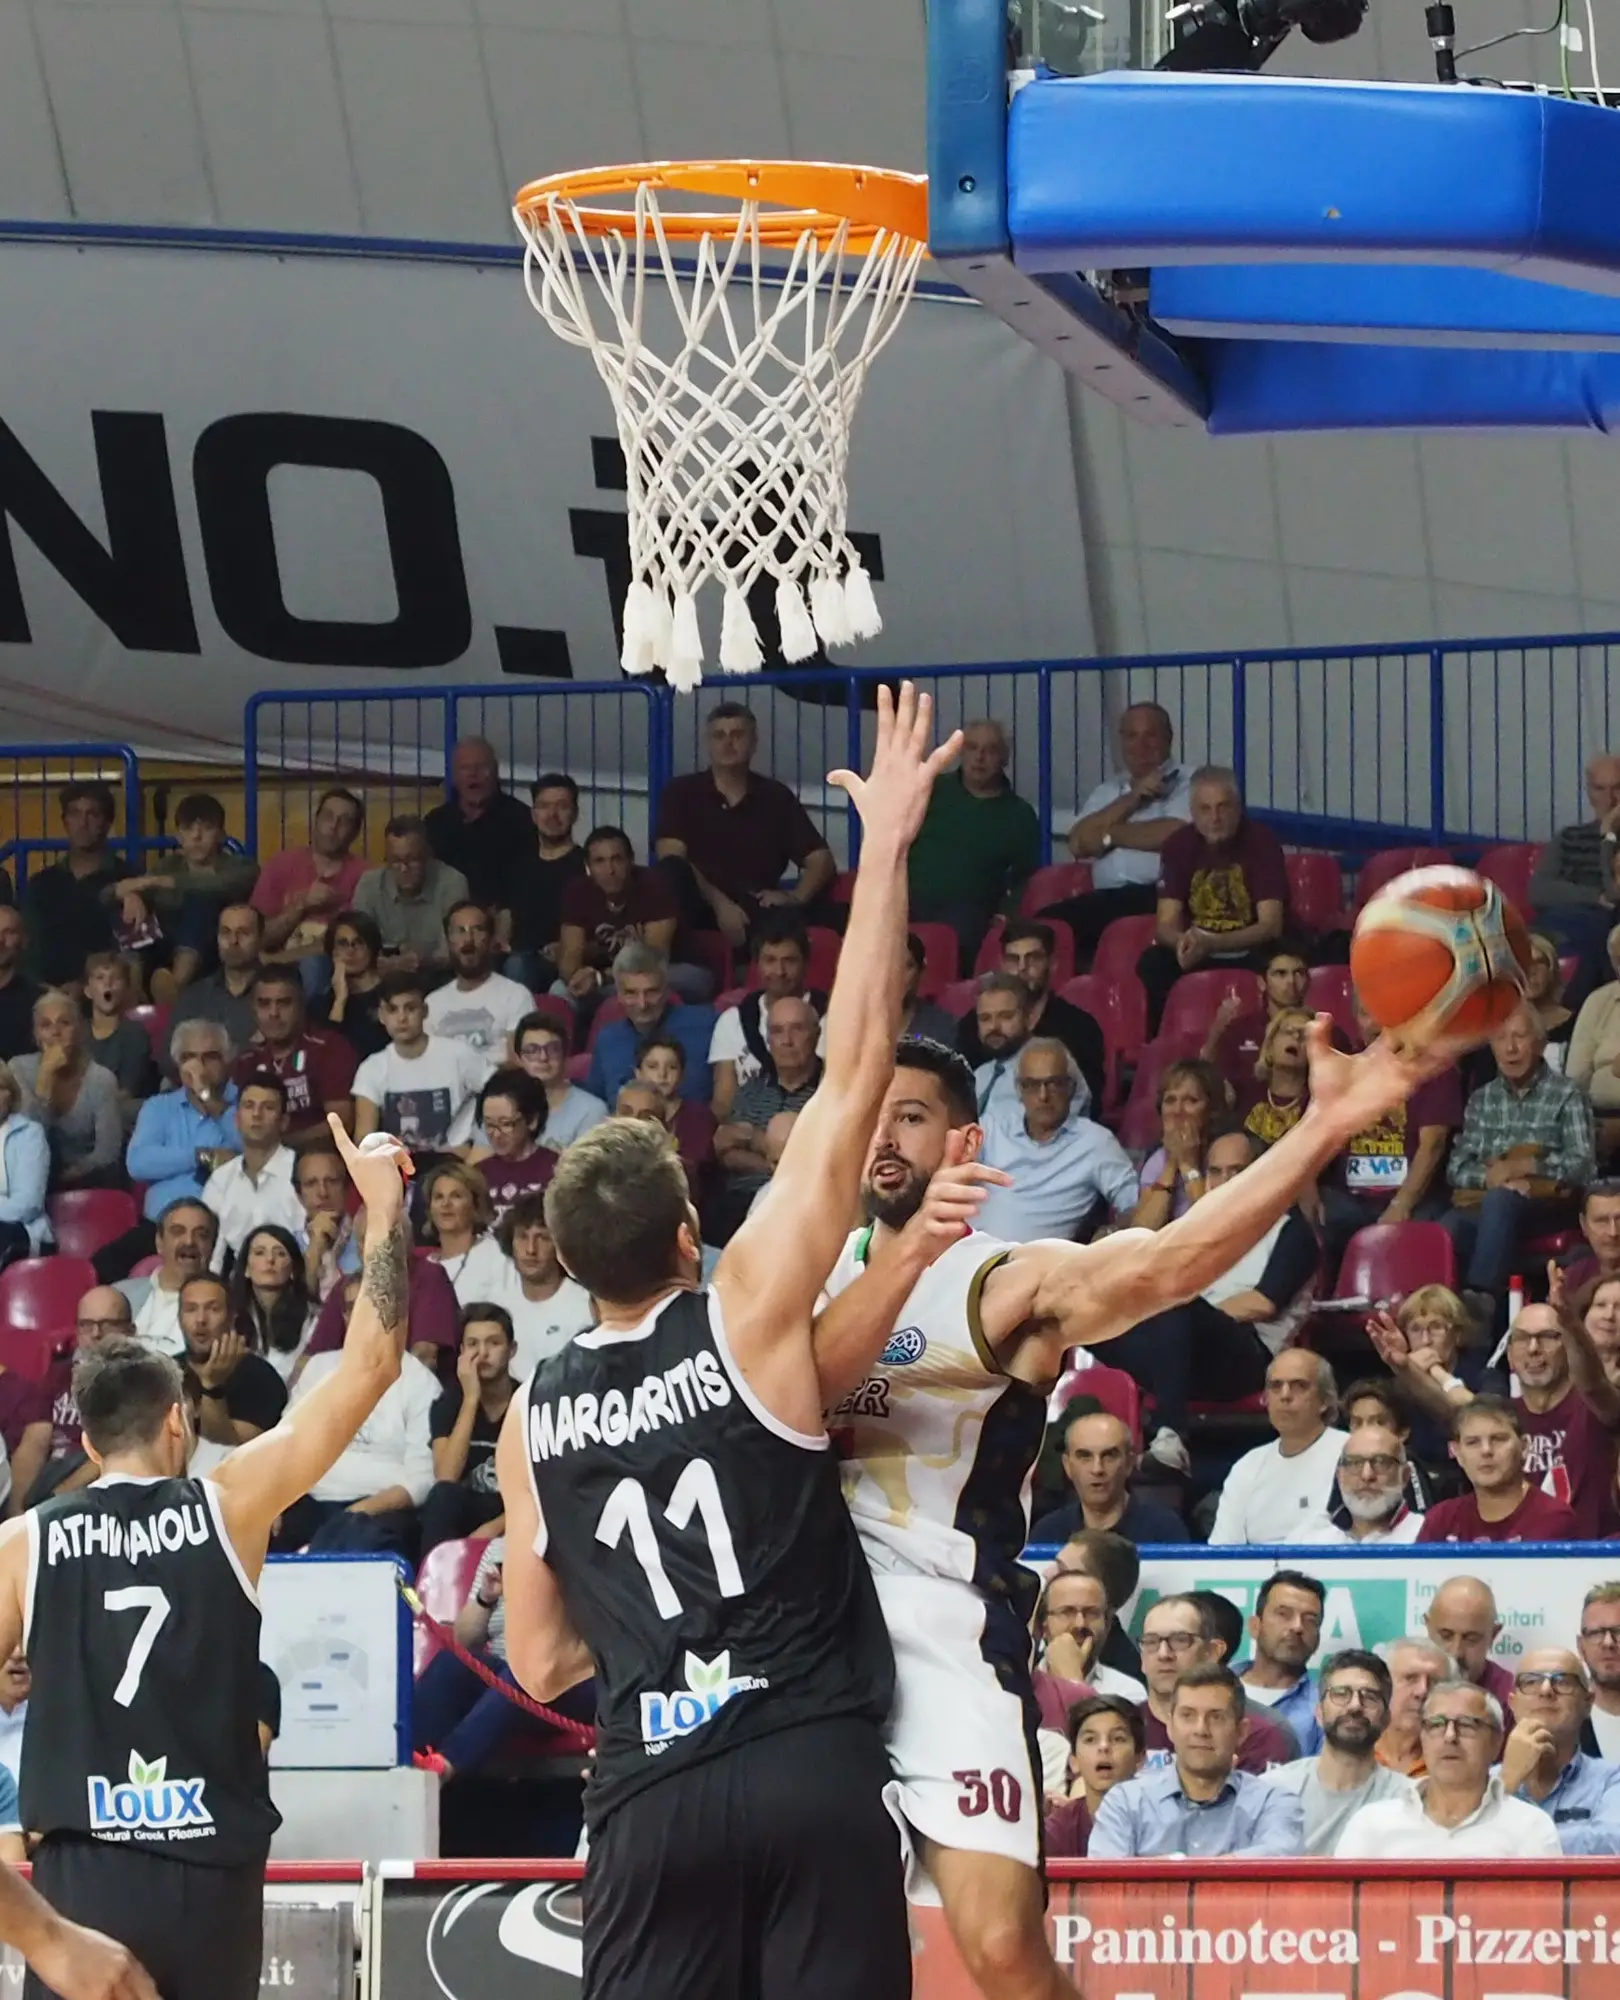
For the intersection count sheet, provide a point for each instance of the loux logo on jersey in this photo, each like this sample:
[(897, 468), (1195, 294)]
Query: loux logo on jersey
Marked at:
[(151, 1802), (710, 1684)]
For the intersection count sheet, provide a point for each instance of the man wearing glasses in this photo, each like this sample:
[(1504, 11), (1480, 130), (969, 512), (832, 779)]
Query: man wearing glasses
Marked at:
[(1063, 1166), (1543, 1763), (103, 1314), (1178, 1634), (1372, 1494), (1352, 1708), (1461, 1810), (1600, 1653)]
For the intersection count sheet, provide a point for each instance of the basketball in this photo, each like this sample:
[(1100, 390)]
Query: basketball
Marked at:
[(1439, 951)]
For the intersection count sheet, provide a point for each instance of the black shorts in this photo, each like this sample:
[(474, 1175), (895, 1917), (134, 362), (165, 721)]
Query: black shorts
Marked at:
[(198, 1930), (770, 1873)]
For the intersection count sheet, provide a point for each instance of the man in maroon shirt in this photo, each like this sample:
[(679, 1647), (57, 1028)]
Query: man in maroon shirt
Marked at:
[(613, 903), (1178, 1633), (317, 1068), (1234, 1038), (435, 1318), (1462, 1621), (1487, 1441), (1223, 891), (1569, 1411), (728, 835)]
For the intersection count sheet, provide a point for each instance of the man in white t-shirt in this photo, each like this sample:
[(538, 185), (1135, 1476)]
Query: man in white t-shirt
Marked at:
[(255, 1186), (369, 1498), (1276, 1486), (547, 1306), (423, 1088), (480, 1006), (1352, 1706), (1122, 825), (739, 1049), (185, 1242)]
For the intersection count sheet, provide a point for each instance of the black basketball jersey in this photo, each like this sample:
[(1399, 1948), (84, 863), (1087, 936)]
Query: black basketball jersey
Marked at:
[(142, 1631), (703, 1550)]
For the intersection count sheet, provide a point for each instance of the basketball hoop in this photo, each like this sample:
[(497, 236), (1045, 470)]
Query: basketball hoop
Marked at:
[(736, 445)]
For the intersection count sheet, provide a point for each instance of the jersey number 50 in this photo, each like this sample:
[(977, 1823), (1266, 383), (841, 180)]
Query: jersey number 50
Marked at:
[(697, 1491)]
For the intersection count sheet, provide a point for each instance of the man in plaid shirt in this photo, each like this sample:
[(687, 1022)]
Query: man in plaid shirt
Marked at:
[(1524, 1152)]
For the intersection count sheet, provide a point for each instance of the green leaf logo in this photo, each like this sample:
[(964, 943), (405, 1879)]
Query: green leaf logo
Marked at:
[(141, 1774), (708, 1677)]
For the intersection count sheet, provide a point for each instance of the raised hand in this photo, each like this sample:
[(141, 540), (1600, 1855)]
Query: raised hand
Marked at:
[(955, 1195), (378, 1171), (893, 796), (1355, 1091)]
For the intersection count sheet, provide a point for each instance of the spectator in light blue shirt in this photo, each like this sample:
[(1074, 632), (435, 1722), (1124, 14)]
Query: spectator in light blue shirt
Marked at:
[(25, 1169), (641, 981), (182, 1135), (1286, 1630), (1062, 1165), (1543, 1763), (1199, 1805)]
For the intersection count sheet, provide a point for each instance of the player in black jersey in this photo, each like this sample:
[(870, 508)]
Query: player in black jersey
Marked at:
[(136, 1601), (673, 1519)]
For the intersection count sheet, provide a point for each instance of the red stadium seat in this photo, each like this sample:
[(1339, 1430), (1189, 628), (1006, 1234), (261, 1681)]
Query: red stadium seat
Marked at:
[(709, 950), (958, 997), (556, 1008), (1054, 883), (43, 1293), (1510, 868), (85, 1220), (1383, 867), (579, 1067), (1119, 1007), (1389, 1260), (155, 1020), (1196, 995), (444, 1583), (1121, 945), (843, 886), (1328, 992), (941, 953), (989, 958), (1112, 1387), (148, 1265), (1315, 892), (30, 1351)]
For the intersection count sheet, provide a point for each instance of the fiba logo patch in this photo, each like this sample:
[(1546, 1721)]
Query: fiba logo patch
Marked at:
[(151, 1802), (906, 1344)]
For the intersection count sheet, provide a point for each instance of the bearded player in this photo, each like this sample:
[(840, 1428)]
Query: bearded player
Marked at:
[(943, 1434)]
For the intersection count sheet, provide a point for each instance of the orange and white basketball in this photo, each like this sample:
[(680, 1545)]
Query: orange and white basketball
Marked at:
[(1439, 951)]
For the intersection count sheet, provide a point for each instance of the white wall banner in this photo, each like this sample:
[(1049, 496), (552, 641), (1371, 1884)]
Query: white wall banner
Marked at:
[(224, 471)]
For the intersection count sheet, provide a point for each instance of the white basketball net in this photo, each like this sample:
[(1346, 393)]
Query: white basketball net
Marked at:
[(736, 446)]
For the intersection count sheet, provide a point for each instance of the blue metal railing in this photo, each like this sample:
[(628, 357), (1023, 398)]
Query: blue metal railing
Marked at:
[(32, 775), (1460, 744)]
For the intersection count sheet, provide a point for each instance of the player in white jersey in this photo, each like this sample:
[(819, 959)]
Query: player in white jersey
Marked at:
[(942, 1436)]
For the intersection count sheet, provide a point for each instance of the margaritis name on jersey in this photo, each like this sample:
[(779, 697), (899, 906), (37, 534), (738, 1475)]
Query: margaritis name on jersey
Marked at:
[(569, 1423)]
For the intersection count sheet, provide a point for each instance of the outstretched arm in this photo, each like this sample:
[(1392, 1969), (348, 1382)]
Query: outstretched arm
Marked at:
[(265, 1476), (776, 1264), (1068, 1294)]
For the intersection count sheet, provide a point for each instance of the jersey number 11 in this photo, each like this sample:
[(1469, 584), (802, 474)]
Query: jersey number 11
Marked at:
[(697, 1491)]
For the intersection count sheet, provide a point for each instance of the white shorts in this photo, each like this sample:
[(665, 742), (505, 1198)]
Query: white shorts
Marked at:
[(959, 1739)]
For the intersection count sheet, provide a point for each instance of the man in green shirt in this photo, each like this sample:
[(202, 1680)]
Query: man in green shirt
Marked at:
[(979, 844)]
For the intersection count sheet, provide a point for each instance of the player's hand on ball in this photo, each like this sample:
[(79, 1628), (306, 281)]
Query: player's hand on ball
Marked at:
[(379, 1167), (955, 1195), (893, 796), (1355, 1091), (81, 1964)]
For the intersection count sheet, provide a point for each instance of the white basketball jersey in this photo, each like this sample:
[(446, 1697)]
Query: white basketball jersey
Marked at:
[(939, 1443)]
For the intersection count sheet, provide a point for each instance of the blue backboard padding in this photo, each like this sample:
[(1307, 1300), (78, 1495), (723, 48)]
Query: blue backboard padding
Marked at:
[(1141, 169), (1404, 303), (1262, 386)]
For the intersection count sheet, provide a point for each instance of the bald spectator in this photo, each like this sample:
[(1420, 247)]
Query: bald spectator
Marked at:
[(1371, 1498), (1462, 1621), (1068, 1173), (1415, 1666), (1099, 1456), (1543, 1762), (483, 833), (979, 844), (1027, 954), (1223, 891), (1123, 824), (729, 836), (410, 897), (301, 889), (1573, 892), (749, 1144)]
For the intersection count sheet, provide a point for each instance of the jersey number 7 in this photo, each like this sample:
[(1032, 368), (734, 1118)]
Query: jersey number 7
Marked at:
[(138, 1597), (697, 1491)]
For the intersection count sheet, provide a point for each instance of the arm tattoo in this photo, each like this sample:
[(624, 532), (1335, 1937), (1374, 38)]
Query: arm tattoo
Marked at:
[(385, 1278)]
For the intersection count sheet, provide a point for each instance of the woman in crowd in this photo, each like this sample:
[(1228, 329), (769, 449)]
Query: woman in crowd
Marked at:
[(117, 1042), (72, 1097), (354, 945), (1191, 1095), (541, 1047), (455, 1716), (1544, 989), (270, 1303), (25, 1171), (547, 1306), (459, 1217), (661, 1065), (1276, 1101), (1598, 1304), (1107, 1743), (512, 1117), (1430, 1330), (1593, 1057)]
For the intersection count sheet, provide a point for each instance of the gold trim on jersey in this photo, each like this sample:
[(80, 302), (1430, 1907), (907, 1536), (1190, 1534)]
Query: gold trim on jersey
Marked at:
[(981, 1345)]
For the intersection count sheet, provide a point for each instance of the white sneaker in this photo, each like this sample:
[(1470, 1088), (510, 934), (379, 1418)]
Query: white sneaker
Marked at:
[(1168, 1449)]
